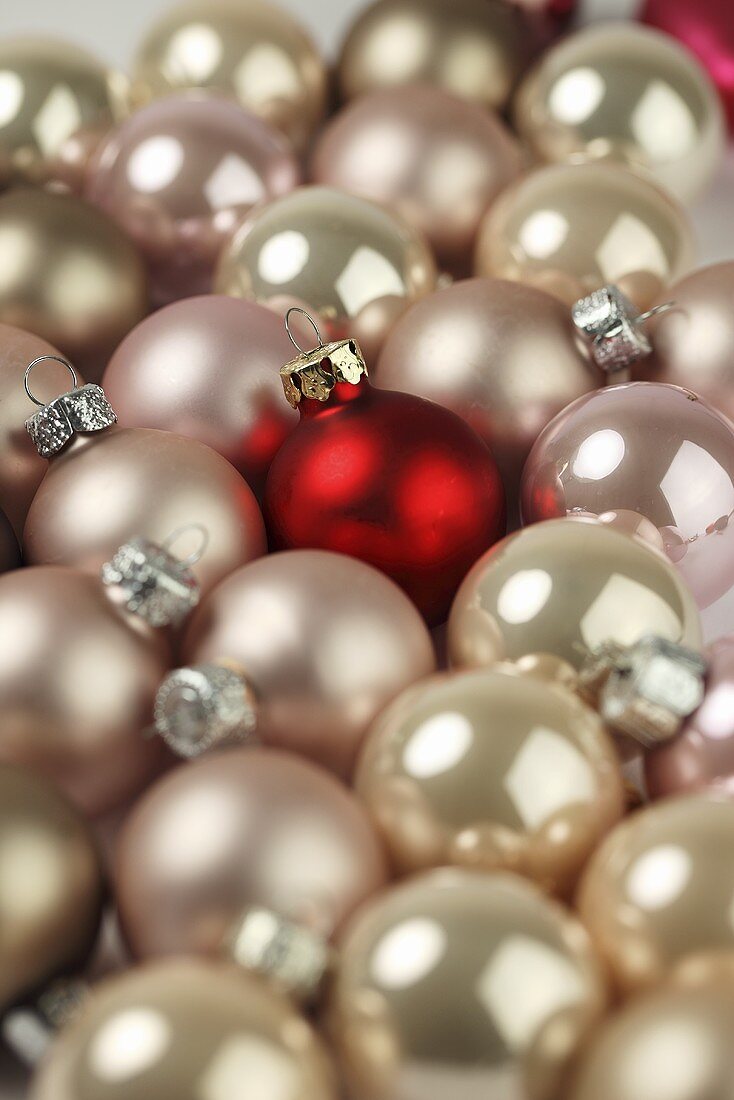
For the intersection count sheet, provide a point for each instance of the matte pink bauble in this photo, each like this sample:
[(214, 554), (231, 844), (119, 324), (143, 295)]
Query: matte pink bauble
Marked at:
[(649, 448), (207, 368), (179, 173)]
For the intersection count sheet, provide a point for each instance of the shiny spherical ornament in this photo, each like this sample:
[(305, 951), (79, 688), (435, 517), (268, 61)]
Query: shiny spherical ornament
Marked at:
[(563, 588), (334, 252), (594, 223), (629, 94), (456, 771), (9, 549), (179, 174), (437, 160), (50, 89), (675, 1042), (241, 828), (647, 448), (325, 641), (77, 695), (656, 896), (186, 1029), (51, 887), (706, 29), (476, 49), (703, 753), (693, 343), (104, 489), (207, 368), (456, 983), (505, 357), (70, 276), (255, 52), (396, 481)]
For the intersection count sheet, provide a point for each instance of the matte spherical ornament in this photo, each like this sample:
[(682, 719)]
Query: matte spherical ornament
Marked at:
[(564, 588), (51, 887), (476, 49), (505, 357), (179, 174), (336, 253), (77, 695), (241, 828), (189, 1029), (652, 449), (593, 223), (255, 52), (456, 771), (656, 895), (693, 343), (50, 89), (436, 159), (629, 94), (673, 1042), (70, 276), (458, 983), (325, 643), (9, 549)]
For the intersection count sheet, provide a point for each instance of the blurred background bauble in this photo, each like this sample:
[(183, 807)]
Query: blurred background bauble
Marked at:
[(9, 549)]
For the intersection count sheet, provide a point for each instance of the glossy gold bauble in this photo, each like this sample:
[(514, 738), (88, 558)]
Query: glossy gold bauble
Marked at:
[(459, 983), (190, 1031), (627, 93), (657, 895), (458, 771), (50, 885), (563, 588), (254, 51), (49, 90), (474, 48), (69, 275), (589, 223)]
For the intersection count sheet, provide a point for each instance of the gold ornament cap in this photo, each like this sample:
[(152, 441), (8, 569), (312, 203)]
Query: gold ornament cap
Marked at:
[(313, 374)]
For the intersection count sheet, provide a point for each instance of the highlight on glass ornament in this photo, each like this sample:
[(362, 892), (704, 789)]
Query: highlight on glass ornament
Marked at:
[(656, 895), (625, 93), (459, 976), (338, 254), (298, 650), (179, 174), (255, 53), (437, 160), (456, 771)]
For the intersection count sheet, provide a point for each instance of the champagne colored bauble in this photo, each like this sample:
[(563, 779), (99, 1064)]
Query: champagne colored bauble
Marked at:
[(628, 94), (458, 771), (693, 343), (242, 828), (652, 449), (138, 482), (254, 52), (437, 160), (207, 368), (51, 886), (21, 467), (336, 253), (49, 89), (592, 223), (476, 49), (563, 588), (671, 1043), (325, 642), (503, 356), (70, 276), (190, 1030), (9, 549), (77, 696), (460, 983), (179, 174), (656, 896)]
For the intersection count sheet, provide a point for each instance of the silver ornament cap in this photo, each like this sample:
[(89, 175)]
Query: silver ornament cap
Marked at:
[(84, 409), (290, 955), (155, 584), (615, 327), (203, 706)]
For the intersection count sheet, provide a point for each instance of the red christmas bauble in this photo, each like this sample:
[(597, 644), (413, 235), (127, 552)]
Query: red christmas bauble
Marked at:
[(392, 479)]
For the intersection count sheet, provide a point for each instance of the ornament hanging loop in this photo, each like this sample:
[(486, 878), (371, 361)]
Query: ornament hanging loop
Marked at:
[(615, 328), (312, 323), (42, 359), (314, 374), (196, 555)]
